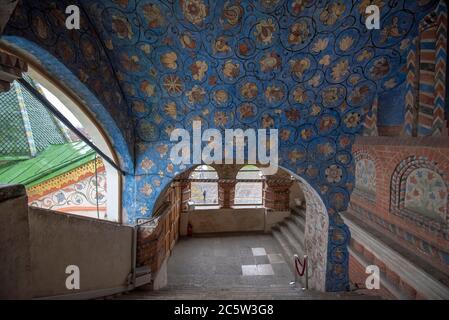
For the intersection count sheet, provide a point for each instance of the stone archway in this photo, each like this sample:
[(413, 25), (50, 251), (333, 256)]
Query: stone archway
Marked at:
[(326, 242), (316, 240), (326, 239)]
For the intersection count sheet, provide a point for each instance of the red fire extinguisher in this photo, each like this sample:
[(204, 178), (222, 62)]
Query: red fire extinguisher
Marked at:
[(189, 230)]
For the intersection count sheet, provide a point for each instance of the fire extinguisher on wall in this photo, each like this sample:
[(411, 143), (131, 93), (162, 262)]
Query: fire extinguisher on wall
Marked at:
[(189, 230)]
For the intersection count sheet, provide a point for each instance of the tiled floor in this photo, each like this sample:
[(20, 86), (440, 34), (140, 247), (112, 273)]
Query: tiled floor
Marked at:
[(246, 267), (234, 260)]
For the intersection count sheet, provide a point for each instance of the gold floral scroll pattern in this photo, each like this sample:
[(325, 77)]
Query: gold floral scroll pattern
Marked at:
[(64, 180)]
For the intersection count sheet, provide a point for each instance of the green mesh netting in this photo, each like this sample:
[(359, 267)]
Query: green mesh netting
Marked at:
[(13, 139), (42, 122), (15, 134)]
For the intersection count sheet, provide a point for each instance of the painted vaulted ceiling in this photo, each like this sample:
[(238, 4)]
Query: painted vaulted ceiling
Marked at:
[(309, 68)]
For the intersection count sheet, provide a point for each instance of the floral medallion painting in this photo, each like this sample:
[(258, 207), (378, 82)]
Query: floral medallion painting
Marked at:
[(426, 193)]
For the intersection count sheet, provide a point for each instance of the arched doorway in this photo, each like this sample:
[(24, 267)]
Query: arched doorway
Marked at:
[(326, 254)]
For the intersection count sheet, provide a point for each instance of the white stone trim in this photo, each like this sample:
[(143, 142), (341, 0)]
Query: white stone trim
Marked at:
[(383, 280), (416, 277)]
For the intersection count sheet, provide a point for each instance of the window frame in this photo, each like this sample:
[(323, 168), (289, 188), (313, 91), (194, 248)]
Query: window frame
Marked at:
[(240, 181), (96, 133)]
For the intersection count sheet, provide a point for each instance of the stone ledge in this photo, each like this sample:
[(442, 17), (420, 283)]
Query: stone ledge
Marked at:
[(390, 287), (423, 278), (10, 191)]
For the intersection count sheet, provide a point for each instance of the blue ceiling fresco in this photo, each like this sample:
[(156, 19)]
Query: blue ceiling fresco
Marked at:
[(309, 68)]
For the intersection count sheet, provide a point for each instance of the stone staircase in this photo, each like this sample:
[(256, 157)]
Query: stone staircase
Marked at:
[(290, 235), (274, 292), (183, 292)]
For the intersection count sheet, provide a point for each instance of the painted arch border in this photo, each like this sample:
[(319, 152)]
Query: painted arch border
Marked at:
[(332, 258)]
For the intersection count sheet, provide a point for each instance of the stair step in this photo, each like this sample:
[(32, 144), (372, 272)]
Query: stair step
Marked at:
[(237, 293), (300, 211), (299, 220), (283, 242), (291, 293), (287, 249), (237, 289), (140, 271), (295, 230), (296, 246)]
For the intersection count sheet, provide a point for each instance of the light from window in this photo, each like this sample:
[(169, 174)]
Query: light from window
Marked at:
[(204, 192), (60, 172), (248, 192)]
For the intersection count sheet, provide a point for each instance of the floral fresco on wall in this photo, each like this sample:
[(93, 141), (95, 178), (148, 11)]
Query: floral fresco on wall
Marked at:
[(82, 197), (309, 68), (426, 193), (365, 176)]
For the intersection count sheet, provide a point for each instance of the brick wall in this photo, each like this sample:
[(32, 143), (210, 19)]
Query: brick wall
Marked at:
[(387, 153), (390, 131), (276, 194)]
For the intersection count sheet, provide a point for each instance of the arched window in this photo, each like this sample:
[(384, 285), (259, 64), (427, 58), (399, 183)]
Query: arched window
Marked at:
[(426, 194), (248, 189), (419, 193), (365, 176), (58, 169), (204, 191)]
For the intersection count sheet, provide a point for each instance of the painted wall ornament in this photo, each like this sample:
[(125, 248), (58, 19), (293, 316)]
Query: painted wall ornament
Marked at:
[(426, 193), (365, 176), (419, 194)]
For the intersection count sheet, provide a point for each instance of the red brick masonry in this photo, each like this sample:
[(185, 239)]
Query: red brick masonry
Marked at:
[(389, 154)]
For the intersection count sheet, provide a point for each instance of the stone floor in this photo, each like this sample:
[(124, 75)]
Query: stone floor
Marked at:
[(218, 261), (231, 267)]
